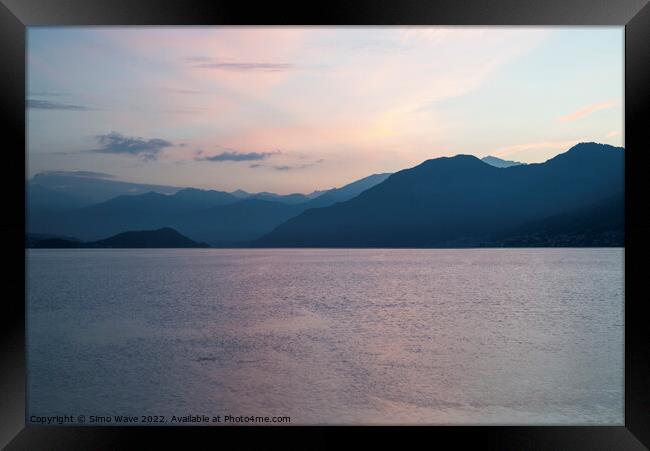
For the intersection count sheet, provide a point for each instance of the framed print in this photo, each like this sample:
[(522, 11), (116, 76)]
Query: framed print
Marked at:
[(420, 218)]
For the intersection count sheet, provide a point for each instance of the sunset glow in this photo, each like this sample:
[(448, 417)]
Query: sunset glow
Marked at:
[(296, 109)]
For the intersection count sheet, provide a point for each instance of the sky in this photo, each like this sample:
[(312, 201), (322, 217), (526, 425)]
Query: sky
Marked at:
[(298, 109)]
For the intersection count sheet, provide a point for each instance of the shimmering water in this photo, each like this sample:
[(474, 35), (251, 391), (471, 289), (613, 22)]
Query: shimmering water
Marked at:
[(480, 336)]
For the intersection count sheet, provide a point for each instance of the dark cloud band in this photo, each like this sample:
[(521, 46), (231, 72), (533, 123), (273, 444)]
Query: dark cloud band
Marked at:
[(83, 174), (49, 105), (286, 167), (237, 156), (116, 143)]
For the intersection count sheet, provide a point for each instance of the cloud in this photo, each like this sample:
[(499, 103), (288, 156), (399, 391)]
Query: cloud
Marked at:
[(116, 143), (612, 134), (298, 166), (49, 105), (85, 174), (238, 66), (236, 156), (582, 112), (286, 167)]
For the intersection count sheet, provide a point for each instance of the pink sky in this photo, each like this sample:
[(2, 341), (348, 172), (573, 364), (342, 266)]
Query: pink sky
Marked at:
[(305, 108)]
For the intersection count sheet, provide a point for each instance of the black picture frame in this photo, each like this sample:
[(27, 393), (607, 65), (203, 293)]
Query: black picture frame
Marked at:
[(16, 15)]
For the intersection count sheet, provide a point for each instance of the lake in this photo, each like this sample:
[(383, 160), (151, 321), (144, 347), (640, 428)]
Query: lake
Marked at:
[(329, 336)]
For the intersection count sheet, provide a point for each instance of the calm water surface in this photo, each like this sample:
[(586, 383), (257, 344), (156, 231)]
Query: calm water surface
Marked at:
[(480, 336)]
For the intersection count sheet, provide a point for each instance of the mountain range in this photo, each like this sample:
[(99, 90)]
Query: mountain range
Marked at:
[(216, 217), (463, 202), (574, 199), (67, 190)]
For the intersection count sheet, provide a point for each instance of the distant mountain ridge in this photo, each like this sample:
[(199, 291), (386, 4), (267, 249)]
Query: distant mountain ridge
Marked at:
[(348, 191), (64, 190), (294, 198), (43, 199), (500, 163), (91, 188), (462, 201), (574, 199), (127, 212), (217, 217)]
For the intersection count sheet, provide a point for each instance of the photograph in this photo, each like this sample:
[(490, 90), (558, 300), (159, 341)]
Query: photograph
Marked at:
[(238, 225)]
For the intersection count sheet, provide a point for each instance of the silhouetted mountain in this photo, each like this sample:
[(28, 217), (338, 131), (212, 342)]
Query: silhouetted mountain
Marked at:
[(213, 216), (135, 212), (242, 221), (315, 194), (573, 198), (347, 192), (259, 214), (43, 199), (56, 243), (601, 224), (240, 193), (87, 188), (32, 238), (161, 238), (41, 204), (462, 201), (499, 163), (322, 198), (196, 199), (251, 218)]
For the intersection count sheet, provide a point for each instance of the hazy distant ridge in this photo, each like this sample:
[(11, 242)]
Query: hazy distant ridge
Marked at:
[(500, 163), (217, 217), (574, 199)]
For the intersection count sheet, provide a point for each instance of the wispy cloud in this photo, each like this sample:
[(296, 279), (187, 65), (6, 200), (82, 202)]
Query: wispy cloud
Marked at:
[(367, 99), (287, 167), (84, 174), (295, 167), (236, 156), (613, 134), (582, 112), (205, 62), (146, 149), (50, 105)]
